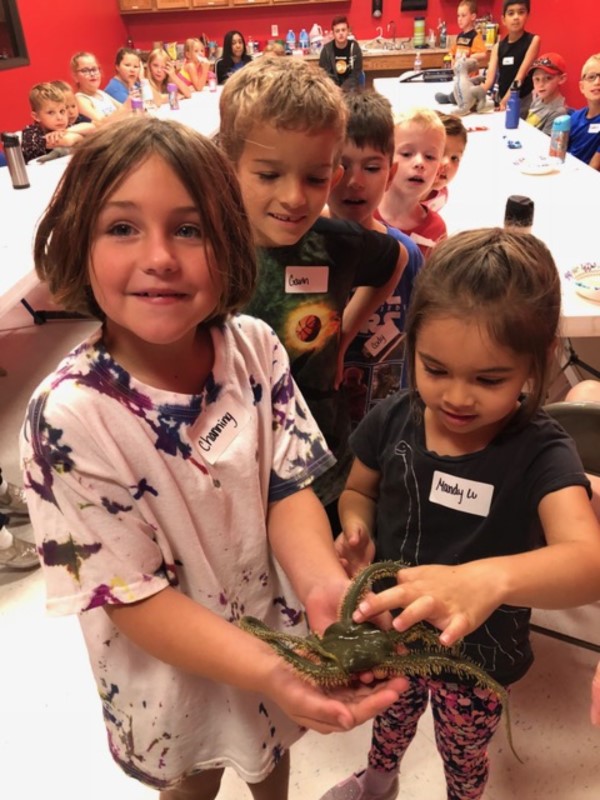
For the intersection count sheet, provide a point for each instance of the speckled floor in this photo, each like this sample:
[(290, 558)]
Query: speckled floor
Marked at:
[(52, 742)]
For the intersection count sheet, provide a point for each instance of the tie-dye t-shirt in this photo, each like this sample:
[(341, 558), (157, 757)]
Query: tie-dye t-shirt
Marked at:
[(132, 489)]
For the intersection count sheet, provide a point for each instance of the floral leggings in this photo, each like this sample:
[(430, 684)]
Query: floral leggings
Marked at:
[(465, 719)]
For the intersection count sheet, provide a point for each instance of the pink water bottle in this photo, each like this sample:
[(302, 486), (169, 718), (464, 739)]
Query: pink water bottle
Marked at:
[(173, 96), (212, 82)]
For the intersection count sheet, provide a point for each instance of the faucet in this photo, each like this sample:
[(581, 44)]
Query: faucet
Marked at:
[(379, 31), (392, 26)]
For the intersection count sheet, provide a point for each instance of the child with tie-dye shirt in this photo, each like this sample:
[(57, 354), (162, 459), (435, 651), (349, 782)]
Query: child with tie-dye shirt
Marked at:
[(167, 464)]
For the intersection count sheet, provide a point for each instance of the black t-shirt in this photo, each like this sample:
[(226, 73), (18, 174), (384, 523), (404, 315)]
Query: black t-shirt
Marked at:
[(436, 509), (510, 58)]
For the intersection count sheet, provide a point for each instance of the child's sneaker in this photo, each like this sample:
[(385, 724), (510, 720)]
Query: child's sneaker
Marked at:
[(352, 788), (20, 555), (442, 99), (13, 501)]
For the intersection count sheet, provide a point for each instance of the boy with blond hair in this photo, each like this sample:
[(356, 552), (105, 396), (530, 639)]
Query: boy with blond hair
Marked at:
[(49, 129), (419, 140), (374, 361), (469, 43), (283, 124), (584, 138), (549, 73)]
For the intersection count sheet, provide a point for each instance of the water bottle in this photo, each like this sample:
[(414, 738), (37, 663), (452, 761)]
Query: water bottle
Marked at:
[(304, 41), (518, 215), (15, 160), (211, 79), (559, 137), (513, 107), (147, 94), (173, 96), (443, 36), (418, 65), (290, 41), (137, 105)]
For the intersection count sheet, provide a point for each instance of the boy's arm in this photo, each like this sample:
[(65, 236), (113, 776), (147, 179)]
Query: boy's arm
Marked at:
[(492, 69), (479, 51), (362, 304), (595, 162)]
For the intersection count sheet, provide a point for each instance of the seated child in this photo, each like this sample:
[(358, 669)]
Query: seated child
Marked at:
[(49, 112), (76, 122), (374, 360), (161, 71), (194, 70), (233, 57), (512, 56), (282, 125), (94, 104), (549, 73), (420, 138), (456, 141), (127, 75), (584, 138), (469, 43)]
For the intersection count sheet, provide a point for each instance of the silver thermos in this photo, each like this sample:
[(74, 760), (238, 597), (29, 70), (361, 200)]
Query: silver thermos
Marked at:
[(15, 160)]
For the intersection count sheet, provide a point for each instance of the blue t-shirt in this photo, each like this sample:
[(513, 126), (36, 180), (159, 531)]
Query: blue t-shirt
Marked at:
[(584, 138)]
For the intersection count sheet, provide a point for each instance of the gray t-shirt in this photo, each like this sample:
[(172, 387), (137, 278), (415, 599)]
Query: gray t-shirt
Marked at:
[(541, 115)]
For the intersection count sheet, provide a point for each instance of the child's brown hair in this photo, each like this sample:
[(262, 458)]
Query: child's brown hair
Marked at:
[(43, 93), (370, 121), (65, 235)]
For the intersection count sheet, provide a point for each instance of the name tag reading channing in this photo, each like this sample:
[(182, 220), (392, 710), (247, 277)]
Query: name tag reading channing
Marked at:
[(472, 497), (218, 428), (306, 280)]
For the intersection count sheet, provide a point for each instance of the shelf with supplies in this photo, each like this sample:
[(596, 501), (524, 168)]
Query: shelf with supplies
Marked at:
[(162, 6)]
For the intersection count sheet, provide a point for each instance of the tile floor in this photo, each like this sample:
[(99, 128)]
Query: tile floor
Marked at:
[(51, 734)]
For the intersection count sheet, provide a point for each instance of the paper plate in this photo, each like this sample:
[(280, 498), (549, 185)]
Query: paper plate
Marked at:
[(586, 279), (537, 166)]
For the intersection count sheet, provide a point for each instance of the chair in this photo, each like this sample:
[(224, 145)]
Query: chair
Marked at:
[(581, 420)]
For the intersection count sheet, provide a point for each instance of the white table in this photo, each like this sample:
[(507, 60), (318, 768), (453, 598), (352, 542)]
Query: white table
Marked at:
[(22, 208), (566, 207)]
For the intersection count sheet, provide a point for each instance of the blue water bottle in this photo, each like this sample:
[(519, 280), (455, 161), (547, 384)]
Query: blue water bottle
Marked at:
[(513, 107), (304, 40), (559, 137), (290, 41)]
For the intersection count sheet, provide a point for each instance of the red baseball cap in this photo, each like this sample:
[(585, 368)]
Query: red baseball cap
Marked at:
[(552, 63)]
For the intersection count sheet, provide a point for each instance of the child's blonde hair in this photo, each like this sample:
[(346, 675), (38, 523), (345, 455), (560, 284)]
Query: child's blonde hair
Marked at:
[(470, 4), (75, 59), (63, 86), (287, 93), (595, 59), (506, 281), (43, 93), (188, 45), (428, 119), (158, 52), (65, 235)]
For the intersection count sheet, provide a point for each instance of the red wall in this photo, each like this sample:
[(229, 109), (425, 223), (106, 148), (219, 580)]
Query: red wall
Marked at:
[(54, 31)]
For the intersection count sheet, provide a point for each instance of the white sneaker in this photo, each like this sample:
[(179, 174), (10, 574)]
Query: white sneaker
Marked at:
[(13, 501), (20, 555)]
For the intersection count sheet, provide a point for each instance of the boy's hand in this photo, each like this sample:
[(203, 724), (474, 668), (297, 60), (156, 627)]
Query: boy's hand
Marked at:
[(456, 599), (355, 548)]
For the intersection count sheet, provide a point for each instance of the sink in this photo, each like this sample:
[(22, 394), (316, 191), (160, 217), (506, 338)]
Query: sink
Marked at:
[(382, 46)]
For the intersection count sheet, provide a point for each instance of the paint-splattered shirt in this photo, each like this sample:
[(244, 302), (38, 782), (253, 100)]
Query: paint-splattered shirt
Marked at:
[(132, 489)]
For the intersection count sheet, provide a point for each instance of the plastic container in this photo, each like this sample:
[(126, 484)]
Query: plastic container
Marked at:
[(443, 36), (559, 137), (137, 105), (418, 64), (518, 215), (304, 40), (15, 161), (147, 94), (211, 79), (290, 41), (513, 108), (173, 96), (419, 32)]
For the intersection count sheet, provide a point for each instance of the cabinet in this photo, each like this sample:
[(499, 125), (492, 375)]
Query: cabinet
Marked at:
[(208, 4), (170, 5), (158, 6), (135, 5), (238, 3)]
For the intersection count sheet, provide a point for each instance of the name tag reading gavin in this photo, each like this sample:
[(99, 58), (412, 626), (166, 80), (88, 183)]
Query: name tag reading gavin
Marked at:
[(461, 494), (218, 428), (306, 280), (508, 60)]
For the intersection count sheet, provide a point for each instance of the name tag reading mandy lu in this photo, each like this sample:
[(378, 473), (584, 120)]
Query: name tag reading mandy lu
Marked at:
[(218, 428), (471, 497), (306, 280)]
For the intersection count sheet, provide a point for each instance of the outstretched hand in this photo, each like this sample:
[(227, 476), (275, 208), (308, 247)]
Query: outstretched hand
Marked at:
[(354, 548), (456, 599)]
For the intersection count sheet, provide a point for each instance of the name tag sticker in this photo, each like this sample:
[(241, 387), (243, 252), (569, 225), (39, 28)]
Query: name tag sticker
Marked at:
[(594, 127), (471, 497), (508, 61), (218, 427), (306, 280), (386, 335)]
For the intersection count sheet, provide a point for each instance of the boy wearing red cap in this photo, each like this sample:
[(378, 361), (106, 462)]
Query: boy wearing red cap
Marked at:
[(548, 72)]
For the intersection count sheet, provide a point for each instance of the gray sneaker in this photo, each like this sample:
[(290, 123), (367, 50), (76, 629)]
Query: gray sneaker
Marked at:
[(13, 501), (442, 99), (353, 788), (20, 555)]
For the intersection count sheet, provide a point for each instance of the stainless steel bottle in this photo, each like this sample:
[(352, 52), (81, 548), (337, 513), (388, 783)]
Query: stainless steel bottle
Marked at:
[(15, 160)]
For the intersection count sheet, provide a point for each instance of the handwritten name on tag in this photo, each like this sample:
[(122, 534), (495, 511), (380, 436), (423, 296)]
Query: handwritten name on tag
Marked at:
[(471, 497), (218, 428), (386, 335), (306, 280), (594, 127), (508, 61)]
